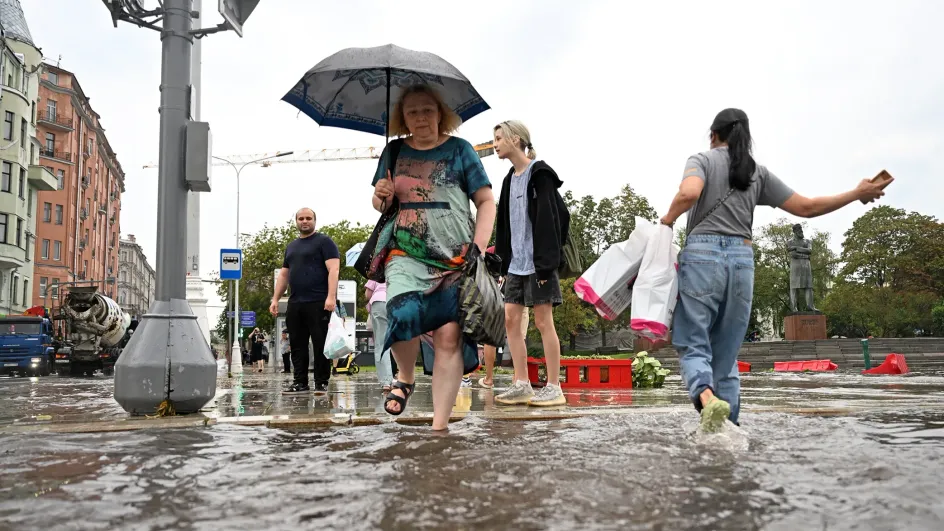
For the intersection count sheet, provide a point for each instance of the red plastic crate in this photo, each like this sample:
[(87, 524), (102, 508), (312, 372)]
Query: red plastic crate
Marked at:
[(744, 366), (800, 366), (588, 374)]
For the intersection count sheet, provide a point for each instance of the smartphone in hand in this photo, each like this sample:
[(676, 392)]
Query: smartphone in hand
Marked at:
[(883, 177)]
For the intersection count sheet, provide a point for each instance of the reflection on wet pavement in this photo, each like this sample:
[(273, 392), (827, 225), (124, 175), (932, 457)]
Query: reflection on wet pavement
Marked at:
[(872, 461)]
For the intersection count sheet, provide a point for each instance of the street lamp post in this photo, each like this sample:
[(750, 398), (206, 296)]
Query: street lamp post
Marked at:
[(237, 362)]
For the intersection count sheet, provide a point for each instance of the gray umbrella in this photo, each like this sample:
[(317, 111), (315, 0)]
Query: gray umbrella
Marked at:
[(342, 90)]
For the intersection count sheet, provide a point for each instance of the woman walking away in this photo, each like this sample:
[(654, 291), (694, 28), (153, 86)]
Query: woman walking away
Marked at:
[(376, 294), (434, 178), (530, 259), (719, 191)]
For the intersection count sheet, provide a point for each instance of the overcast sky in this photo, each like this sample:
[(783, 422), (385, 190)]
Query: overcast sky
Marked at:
[(614, 93)]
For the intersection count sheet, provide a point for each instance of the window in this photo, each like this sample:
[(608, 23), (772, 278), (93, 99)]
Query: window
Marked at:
[(43, 282), (45, 250), (19, 232), (58, 214), (57, 250), (25, 291), (6, 176), (3, 228), (33, 112), (23, 135), (86, 236), (54, 288), (51, 110), (84, 267), (52, 77), (22, 191), (47, 212), (16, 290), (90, 145), (61, 179), (50, 142), (8, 126), (29, 204)]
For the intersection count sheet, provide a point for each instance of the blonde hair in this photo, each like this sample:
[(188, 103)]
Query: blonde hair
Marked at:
[(449, 121), (514, 128)]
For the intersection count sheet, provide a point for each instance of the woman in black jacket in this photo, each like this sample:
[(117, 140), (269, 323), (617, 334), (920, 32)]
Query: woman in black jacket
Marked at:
[(530, 258)]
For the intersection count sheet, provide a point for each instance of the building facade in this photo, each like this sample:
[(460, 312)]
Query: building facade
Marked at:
[(135, 278), (79, 222), (22, 178)]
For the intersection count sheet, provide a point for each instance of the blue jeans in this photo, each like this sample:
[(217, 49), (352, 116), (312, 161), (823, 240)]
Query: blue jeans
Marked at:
[(378, 322), (716, 287)]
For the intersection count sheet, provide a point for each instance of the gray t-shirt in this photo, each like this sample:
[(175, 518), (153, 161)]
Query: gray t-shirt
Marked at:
[(522, 239), (736, 215)]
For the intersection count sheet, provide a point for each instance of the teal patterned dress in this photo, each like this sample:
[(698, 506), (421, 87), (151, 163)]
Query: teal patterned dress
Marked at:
[(433, 232)]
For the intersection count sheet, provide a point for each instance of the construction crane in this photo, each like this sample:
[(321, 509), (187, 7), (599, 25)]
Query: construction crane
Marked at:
[(322, 155)]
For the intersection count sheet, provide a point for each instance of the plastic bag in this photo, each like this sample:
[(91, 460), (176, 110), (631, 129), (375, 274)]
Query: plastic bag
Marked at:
[(656, 289), (338, 343), (608, 283), (481, 305)]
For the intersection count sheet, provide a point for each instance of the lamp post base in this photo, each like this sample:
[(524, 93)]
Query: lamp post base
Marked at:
[(167, 359)]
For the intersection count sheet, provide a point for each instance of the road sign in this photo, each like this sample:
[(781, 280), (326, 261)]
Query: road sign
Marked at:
[(231, 264), (247, 321), (235, 13)]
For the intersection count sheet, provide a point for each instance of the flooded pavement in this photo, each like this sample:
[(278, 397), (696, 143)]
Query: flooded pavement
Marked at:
[(816, 451)]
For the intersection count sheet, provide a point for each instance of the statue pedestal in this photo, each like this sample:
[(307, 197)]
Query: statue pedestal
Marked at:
[(804, 326)]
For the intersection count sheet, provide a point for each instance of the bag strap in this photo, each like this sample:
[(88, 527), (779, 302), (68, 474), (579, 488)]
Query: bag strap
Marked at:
[(393, 152), (712, 209)]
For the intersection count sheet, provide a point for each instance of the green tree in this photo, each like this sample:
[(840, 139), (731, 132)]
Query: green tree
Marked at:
[(937, 319)]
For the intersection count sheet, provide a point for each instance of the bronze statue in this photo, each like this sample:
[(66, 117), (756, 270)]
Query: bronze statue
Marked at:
[(801, 273)]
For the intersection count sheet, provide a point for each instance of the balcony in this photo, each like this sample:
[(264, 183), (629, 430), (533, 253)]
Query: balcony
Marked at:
[(111, 220), (57, 121), (42, 179), (84, 214), (102, 210), (82, 243), (56, 154), (85, 182)]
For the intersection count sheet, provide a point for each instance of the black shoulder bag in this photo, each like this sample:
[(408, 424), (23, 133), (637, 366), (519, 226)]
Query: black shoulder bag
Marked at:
[(370, 263)]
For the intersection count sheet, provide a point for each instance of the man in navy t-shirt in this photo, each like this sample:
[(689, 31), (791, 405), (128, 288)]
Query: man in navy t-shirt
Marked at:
[(310, 270)]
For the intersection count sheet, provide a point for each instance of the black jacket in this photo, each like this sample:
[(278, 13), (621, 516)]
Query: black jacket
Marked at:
[(550, 220)]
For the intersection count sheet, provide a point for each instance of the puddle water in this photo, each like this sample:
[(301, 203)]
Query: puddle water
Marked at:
[(829, 451), (639, 470)]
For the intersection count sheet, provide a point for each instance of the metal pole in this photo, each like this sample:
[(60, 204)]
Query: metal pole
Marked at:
[(237, 333), (167, 360)]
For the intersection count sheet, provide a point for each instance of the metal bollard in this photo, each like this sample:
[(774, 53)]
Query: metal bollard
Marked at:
[(865, 354)]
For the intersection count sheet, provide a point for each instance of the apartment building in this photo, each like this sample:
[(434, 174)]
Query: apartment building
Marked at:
[(79, 222), (22, 179), (135, 278)]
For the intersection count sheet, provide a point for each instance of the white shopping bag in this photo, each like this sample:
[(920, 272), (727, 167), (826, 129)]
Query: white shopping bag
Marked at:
[(608, 283), (338, 343), (656, 289)]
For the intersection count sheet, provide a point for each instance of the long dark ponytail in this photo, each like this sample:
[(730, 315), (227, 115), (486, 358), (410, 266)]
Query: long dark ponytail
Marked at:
[(732, 127)]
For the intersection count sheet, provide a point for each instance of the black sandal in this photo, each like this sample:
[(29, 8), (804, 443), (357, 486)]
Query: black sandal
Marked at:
[(402, 400)]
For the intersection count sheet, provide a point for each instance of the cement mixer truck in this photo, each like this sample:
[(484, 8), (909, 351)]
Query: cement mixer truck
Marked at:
[(94, 331)]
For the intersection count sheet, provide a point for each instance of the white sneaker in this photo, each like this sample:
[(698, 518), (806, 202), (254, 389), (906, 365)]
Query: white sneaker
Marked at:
[(518, 394), (551, 395)]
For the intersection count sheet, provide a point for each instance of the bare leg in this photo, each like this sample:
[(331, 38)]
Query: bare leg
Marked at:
[(519, 350), (544, 320), (490, 354), (447, 373), (405, 353)]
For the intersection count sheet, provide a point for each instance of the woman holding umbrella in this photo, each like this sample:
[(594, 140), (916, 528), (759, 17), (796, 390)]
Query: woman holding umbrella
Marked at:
[(435, 177)]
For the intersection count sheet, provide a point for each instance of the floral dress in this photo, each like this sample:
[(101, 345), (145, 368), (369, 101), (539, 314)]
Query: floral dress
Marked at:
[(433, 232)]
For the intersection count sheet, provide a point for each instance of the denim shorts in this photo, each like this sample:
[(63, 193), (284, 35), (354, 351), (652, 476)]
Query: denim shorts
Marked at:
[(525, 290)]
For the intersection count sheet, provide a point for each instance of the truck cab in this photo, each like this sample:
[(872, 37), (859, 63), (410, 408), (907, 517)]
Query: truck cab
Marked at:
[(26, 345)]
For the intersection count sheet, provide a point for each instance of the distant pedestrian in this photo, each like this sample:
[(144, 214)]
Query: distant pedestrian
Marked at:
[(376, 294), (533, 224), (720, 190), (310, 271), (256, 349), (286, 352)]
